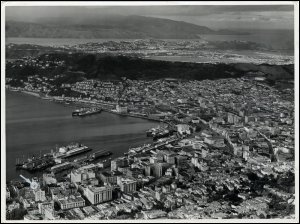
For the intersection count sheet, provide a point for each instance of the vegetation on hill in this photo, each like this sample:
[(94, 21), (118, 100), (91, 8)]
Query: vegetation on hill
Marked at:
[(90, 66)]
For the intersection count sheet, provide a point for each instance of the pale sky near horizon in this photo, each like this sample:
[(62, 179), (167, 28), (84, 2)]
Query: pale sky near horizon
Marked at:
[(216, 17)]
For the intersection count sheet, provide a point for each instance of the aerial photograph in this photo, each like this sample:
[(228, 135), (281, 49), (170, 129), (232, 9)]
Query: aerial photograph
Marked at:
[(143, 112)]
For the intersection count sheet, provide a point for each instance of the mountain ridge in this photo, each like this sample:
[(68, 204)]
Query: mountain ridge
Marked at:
[(112, 27)]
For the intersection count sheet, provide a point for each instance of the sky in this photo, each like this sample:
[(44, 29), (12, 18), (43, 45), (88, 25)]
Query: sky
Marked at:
[(215, 17)]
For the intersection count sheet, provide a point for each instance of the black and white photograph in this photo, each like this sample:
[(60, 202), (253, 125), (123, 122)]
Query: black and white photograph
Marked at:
[(165, 111)]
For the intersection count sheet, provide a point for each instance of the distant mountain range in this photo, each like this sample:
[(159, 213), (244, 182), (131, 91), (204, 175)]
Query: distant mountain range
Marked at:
[(119, 27)]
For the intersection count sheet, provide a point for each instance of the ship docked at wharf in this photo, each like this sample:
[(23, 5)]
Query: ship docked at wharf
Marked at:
[(35, 163), (160, 132), (42, 162), (82, 112), (70, 150), (134, 151)]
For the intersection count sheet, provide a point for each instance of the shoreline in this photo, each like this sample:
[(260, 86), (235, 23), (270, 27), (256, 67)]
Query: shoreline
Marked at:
[(95, 142), (82, 103)]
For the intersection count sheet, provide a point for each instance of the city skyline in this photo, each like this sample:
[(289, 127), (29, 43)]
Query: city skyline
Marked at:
[(143, 113)]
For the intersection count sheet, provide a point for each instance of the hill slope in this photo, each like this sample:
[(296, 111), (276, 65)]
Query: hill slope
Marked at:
[(111, 27)]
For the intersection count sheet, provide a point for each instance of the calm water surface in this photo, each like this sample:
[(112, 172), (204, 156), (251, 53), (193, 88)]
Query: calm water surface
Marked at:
[(36, 126)]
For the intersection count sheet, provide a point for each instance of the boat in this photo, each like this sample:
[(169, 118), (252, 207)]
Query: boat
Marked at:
[(77, 112), (86, 111), (154, 131), (71, 150), (162, 134), (138, 149), (38, 163)]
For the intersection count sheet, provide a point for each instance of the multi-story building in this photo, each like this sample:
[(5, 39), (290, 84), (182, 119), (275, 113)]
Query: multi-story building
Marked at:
[(80, 175), (98, 194), (110, 177), (160, 168), (183, 129), (127, 185), (134, 172), (49, 178), (149, 169), (119, 162), (71, 202), (43, 205), (39, 195)]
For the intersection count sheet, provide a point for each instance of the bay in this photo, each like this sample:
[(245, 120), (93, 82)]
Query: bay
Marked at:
[(35, 126)]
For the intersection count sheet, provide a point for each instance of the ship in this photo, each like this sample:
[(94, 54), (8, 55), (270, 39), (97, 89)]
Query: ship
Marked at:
[(77, 112), (86, 111), (154, 131), (71, 150), (162, 134), (133, 151), (36, 163), (98, 154)]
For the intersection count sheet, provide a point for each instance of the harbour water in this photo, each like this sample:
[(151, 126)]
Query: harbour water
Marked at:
[(35, 126)]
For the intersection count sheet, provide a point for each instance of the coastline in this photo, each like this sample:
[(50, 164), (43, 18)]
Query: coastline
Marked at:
[(131, 133), (82, 103)]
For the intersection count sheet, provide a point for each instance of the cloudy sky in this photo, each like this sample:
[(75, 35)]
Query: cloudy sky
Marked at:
[(216, 17)]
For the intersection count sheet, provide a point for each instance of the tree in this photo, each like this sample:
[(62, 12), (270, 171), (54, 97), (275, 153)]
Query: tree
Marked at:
[(16, 214)]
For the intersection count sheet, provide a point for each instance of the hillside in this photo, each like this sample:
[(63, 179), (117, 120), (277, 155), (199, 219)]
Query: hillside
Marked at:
[(112, 27), (114, 67)]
